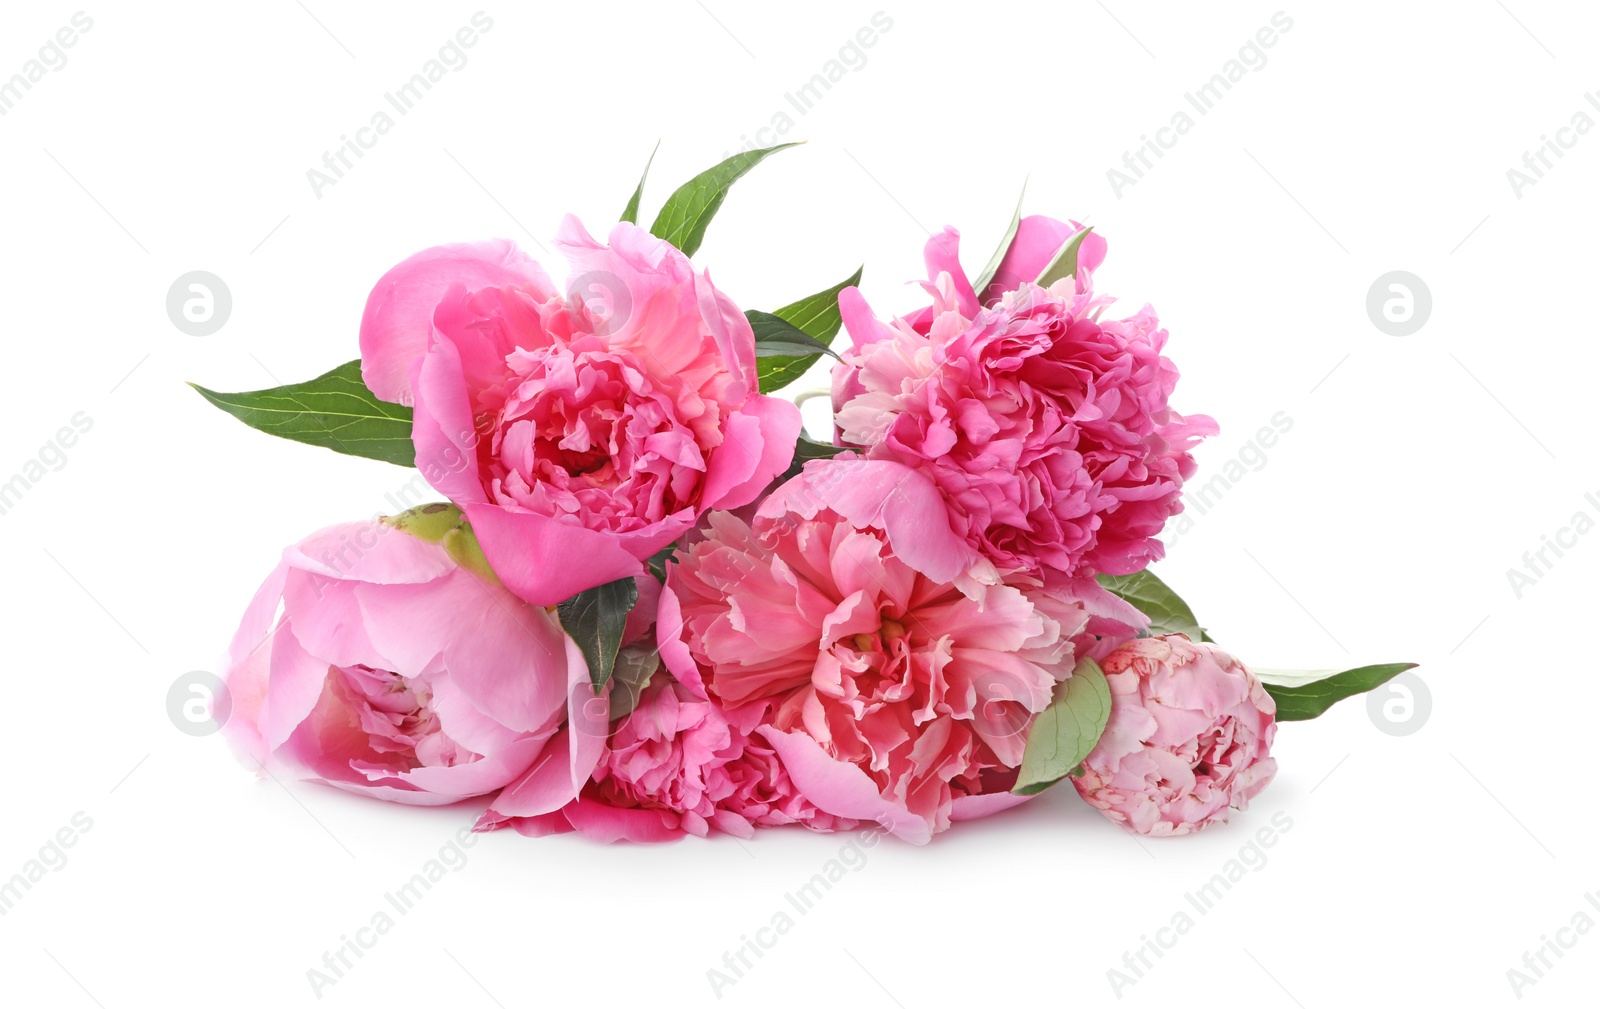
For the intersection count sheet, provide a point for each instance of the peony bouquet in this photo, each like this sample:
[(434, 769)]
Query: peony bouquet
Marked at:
[(651, 606)]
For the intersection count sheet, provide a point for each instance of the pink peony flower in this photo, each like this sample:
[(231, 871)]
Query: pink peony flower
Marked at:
[(1189, 737), (1045, 425), (398, 668), (580, 432), (886, 694), (679, 764)]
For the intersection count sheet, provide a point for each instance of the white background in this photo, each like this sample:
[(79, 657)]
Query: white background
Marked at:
[(1377, 137)]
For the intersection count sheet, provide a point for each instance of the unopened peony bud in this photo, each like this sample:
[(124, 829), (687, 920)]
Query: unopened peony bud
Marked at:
[(1189, 737)]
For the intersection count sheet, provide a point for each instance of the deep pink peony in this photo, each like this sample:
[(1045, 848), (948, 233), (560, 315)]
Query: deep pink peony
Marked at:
[(582, 431), (886, 694), (1189, 738), (679, 764), (1044, 424), (399, 667)]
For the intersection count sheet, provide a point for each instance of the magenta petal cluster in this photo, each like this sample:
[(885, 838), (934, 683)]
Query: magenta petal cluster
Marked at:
[(894, 696), (372, 660), (600, 421), (681, 764), (1045, 425), (1190, 737)]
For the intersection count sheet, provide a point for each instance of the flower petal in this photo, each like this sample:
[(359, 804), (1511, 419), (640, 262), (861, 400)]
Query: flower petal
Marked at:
[(398, 319), (881, 495), (1038, 240), (535, 554), (758, 446), (839, 788), (942, 255)]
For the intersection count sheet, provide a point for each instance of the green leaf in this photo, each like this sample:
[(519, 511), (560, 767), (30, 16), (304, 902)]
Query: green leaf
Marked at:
[(777, 337), (816, 316), (690, 208), (1303, 695), (1063, 734), (806, 450), (1150, 595), (1065, 263), (774, 373), (783, 350), (987, 276), (335, 411), (631, 214), (658, 563), (595, 618), (635, 665)]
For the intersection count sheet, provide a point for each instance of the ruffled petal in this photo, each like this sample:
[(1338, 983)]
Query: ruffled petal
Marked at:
[(840, 788), (398, 319)]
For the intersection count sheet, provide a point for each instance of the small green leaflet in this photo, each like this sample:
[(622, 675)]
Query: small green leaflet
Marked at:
[(658, 563), (1150, 595), (987, 276), (635, 665), (1063, 734), (817, 316), (1065, 263), (595, 618), (631, 214), (335, 411), (1303, 695), (430, 523), (690, 208), (806, 450)]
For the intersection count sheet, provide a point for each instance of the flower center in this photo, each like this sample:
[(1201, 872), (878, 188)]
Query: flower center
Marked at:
[(399, 712), (581, 463), (889, 632)]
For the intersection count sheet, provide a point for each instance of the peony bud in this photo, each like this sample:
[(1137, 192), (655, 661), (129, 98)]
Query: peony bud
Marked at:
[(1188, 739)]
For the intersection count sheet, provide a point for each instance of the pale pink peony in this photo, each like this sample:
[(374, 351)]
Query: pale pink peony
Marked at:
[(1045, 425), (383, 658), (886, 694), (1189, 737), (582, 431)]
